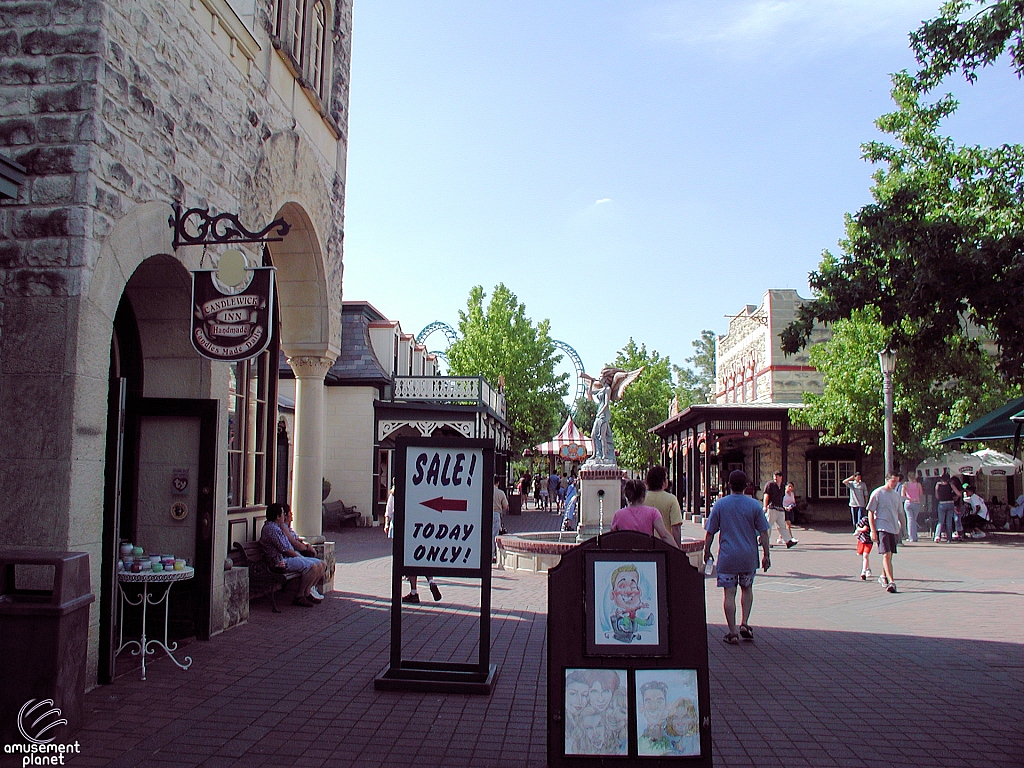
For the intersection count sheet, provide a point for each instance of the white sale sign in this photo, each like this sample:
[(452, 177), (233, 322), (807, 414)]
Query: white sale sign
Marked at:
[(443, 507)]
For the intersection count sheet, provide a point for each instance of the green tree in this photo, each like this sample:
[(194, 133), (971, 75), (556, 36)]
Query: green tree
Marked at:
[(502, 343), (586, 411), (697, 383), (933, 394), (942, 245), (954, 41), (644, 404)]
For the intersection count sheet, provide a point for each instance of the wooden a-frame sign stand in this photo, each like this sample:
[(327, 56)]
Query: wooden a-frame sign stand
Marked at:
[(442, 527)]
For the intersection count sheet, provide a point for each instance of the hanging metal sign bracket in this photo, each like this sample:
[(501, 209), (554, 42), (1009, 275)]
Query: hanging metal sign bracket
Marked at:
[(197, 226)]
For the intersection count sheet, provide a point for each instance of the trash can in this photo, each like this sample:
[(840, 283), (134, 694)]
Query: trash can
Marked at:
[(515, 504), (44, 642)]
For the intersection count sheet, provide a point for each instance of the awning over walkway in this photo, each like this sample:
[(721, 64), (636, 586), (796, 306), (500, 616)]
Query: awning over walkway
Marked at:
[(996, 425)]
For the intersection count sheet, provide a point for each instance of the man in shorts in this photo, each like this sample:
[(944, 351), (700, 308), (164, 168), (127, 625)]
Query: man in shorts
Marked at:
[(742, 524), (884, 518)]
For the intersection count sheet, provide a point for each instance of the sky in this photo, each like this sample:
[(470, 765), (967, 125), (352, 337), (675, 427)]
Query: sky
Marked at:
[(629, 169)]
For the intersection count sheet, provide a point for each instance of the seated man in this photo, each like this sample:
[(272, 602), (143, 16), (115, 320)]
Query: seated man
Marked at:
[(976, 515), (279, 551)]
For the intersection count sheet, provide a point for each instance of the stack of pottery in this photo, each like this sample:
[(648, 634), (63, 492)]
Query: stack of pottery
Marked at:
[(134, 559)]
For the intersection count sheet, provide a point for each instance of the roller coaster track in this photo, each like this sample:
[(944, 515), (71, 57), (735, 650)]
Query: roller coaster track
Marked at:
[(561, 346)]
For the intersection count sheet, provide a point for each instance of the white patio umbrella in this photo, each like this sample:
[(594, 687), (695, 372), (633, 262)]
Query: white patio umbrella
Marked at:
[(954, 462), (997, 464)]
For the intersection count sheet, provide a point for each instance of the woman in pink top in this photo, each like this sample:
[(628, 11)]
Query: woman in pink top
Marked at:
[(636, 517), (911, 493)]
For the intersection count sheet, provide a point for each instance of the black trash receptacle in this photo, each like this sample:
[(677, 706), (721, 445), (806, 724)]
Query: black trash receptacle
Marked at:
[(44, 642), (515, 504)]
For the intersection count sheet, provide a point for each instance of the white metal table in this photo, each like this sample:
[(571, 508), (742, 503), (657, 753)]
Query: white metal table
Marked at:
[(143, 646)]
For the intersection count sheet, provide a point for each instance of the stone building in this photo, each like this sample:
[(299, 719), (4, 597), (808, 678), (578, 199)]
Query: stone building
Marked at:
[(750, 424), (120, 110), (750, 366)]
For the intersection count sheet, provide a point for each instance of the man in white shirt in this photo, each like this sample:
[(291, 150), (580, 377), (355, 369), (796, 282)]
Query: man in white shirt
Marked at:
[(884, 518)]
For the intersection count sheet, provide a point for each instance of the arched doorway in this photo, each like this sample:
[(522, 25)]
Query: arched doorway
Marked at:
[(160, 470)]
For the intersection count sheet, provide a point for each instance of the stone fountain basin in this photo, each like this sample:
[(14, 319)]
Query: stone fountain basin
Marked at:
[(537, 552)]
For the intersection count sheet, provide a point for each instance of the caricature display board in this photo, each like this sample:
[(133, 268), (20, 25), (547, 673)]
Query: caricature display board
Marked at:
[(628, 656), (444, 491)]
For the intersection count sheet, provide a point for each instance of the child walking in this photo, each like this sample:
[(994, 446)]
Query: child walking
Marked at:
[(864, 544)]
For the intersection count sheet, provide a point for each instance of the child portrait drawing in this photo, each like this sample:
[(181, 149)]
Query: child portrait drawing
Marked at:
[(627, 609)]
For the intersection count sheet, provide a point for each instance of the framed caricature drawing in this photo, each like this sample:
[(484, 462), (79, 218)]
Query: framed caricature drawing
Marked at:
[(596, 712), (626, 604), (667, 713)]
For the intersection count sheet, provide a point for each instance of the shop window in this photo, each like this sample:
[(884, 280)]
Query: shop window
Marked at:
[(831, 475), (252, 428)]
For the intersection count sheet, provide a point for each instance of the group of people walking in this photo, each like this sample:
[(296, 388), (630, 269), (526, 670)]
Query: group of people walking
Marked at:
[(550, 491)]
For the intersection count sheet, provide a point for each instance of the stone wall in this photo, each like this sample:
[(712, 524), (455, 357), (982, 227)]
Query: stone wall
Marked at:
[(119, 108)]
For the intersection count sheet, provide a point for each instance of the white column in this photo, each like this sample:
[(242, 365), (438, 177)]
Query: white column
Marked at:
[(308, 461)]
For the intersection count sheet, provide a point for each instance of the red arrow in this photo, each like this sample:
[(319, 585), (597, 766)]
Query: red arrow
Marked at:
[(440, 504)]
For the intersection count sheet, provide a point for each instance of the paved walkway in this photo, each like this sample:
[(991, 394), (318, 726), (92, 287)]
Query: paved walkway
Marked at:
[(840, 674)]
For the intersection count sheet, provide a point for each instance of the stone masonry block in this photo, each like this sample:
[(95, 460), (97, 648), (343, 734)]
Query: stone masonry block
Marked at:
[(35, 335), (14, 71), (36, 405), (63, 99), (49, 160), (41, 517), (17, 130), (9, 43), (15, 100), (50, 252), (31, 282), (67, 69), (54, 222), (56, 129), (53, 190), (47, 42), (119, 177), (15, 15), (77, 11), (10, 254)]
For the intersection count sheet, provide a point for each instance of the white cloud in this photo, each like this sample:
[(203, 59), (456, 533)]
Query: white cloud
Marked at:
[(790, 26), (602, 200)]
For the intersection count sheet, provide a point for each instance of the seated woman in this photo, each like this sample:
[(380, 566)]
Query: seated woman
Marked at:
[(278, 550), (637, 517)]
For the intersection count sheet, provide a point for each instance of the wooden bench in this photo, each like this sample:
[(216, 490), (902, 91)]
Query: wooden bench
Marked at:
[(262, 580), (336, 513)]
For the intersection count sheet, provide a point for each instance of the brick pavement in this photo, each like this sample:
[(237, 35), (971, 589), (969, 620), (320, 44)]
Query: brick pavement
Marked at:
[(840, 674)]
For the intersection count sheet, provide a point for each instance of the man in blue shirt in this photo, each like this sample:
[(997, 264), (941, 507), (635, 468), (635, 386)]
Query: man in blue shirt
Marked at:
[(742, 524), (279, 551)]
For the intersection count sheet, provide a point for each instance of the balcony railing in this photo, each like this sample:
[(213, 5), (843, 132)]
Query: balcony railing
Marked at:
[(473, 390)]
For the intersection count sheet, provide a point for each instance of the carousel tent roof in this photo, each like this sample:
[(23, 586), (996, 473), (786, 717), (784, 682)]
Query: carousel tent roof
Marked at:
[(569, 434)]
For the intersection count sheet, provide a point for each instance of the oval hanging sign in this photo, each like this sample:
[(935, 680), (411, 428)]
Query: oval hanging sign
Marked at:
[(232, 309)]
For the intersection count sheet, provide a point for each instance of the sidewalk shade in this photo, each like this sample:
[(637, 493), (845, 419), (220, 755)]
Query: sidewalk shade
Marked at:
[(44, 637)]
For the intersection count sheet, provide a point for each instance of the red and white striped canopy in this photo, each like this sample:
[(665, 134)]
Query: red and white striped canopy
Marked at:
[(569, 443)]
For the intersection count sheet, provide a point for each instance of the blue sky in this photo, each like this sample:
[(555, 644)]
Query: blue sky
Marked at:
[(627, 168)]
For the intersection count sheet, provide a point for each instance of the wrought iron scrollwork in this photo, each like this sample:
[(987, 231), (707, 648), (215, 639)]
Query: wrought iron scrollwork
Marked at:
[(221, 228)]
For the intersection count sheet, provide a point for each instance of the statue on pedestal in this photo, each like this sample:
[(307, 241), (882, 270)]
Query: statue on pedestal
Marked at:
[(605, 389)]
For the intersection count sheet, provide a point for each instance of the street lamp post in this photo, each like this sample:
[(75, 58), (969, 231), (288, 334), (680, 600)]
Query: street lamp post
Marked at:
[(887, 362)]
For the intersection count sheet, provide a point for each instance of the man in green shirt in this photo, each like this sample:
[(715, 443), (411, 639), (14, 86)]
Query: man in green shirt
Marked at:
[(664, 502)]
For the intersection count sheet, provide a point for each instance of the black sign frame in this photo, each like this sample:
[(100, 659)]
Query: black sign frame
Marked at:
[(428, 675), (210, 304)]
